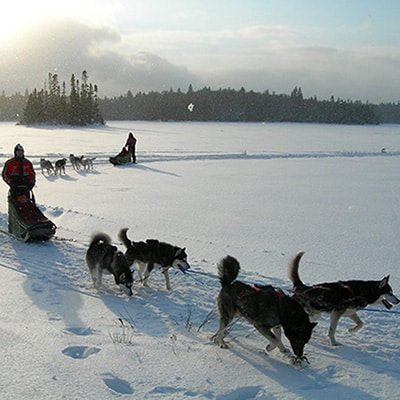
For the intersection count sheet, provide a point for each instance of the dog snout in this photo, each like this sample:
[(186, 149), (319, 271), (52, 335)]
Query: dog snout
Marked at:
[(392, 298), (128, 291), (184, 267)]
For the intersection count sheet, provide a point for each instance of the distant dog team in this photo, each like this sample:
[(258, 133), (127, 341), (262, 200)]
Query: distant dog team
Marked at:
[(59, 166)]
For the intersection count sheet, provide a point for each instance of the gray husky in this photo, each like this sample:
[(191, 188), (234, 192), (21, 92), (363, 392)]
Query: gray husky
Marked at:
[(341, 298), (103, 257), (154, 254), (76, 161), (60, 166), (265, 307)]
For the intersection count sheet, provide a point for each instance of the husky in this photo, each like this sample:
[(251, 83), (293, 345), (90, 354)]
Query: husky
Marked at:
[(341, 298), (88, 163), (153, 254), (103, 257), (265, 307), (46, 165), (76, 161), (60, 166)]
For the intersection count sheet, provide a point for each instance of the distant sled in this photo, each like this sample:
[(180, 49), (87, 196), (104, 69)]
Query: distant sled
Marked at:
[(123, 157), (26, 222)]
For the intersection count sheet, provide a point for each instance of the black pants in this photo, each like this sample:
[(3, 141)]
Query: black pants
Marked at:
[(133, 155), (16, 191)]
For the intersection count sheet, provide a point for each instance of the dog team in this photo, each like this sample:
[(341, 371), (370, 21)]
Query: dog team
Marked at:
[(267, 308), (59, 166)]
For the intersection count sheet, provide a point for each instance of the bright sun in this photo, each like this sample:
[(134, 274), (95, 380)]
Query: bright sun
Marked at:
[(15, 15)]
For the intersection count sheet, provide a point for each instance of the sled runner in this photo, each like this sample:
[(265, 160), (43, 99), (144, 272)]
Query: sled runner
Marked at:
[(123, 157), (26, 222)]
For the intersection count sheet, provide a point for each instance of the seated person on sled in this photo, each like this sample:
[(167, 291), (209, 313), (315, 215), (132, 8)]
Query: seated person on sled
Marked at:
[(123, 157), (19, 174)]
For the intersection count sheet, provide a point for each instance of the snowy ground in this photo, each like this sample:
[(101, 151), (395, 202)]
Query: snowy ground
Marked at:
[(259, 192)]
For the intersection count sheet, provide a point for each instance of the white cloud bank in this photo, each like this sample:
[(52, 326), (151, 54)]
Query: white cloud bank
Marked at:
[(255, 57)]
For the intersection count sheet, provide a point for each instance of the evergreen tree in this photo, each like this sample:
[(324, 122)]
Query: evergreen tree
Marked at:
[(55, 107)]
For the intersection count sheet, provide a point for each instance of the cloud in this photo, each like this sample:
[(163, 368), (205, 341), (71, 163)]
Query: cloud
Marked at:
[(255, 57), (68, 46)]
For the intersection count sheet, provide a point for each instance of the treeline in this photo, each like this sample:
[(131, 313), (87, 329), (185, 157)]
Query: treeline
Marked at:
[(235, 106), (52, 105), (82, 106)]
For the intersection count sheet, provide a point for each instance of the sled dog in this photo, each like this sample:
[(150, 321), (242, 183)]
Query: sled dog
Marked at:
[(76, 161), (267, 308), (60, 166), (88, 163), (153, 254), (46, 165), (341, 298), (103, 257)]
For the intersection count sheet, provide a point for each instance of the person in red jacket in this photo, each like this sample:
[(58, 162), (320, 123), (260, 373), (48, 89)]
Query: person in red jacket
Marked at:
[(131, 144), (19, 174)]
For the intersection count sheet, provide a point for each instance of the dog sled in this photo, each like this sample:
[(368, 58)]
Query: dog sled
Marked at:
[(123, 157), (26, 222)]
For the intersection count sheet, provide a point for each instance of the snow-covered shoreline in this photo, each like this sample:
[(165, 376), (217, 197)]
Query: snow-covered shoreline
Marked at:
[(259, 192)]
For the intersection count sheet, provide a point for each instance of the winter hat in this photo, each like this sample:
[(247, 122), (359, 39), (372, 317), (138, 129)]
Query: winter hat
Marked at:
[(18, 147)]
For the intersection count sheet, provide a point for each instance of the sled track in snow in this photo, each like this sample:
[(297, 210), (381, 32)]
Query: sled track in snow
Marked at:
[(145, 158), (57, 262)]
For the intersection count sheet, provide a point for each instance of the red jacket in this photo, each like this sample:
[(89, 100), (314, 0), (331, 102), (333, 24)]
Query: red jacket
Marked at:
[(131, 142), (19, 172)]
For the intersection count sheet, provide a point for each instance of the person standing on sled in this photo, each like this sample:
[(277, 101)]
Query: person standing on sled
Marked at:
[(19, 174), (131, 144)]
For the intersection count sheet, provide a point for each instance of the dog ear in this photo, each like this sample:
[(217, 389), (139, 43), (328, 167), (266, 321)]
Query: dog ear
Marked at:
[(384, 282), (178, 252)]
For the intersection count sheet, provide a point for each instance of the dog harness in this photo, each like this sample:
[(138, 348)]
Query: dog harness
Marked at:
[(242, 296)]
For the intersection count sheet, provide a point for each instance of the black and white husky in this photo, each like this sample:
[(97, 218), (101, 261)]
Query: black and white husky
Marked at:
[(341, 298), (265, 307), (103, 257), (46, 165), (76, 161), (153, 254)]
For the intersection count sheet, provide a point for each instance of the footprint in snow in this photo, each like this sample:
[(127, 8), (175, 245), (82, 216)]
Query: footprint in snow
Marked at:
[(117, 385), (53, 316), (80, 331), (80, 352)]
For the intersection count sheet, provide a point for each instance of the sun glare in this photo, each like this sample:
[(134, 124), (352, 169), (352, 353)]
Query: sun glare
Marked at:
[(15, 15)]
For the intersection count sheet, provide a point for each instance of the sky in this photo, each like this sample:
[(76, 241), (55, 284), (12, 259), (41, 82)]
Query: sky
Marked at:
[(346, 49)]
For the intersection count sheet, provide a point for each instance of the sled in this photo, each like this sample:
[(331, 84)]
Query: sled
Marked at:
[(123, 157), (26, 222)]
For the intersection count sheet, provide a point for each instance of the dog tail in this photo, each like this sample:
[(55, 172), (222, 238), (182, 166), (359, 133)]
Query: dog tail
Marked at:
[(122, 236), (293, 270), (228, 270), (100, 237)]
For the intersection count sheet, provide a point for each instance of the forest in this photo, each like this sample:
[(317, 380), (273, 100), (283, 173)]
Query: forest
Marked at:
[(82, 106)]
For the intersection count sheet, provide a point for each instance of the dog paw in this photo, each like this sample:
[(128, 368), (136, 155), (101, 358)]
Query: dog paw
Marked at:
[(221, 343), (300, 361), (355, 328), (270, 347), (284, 350)]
